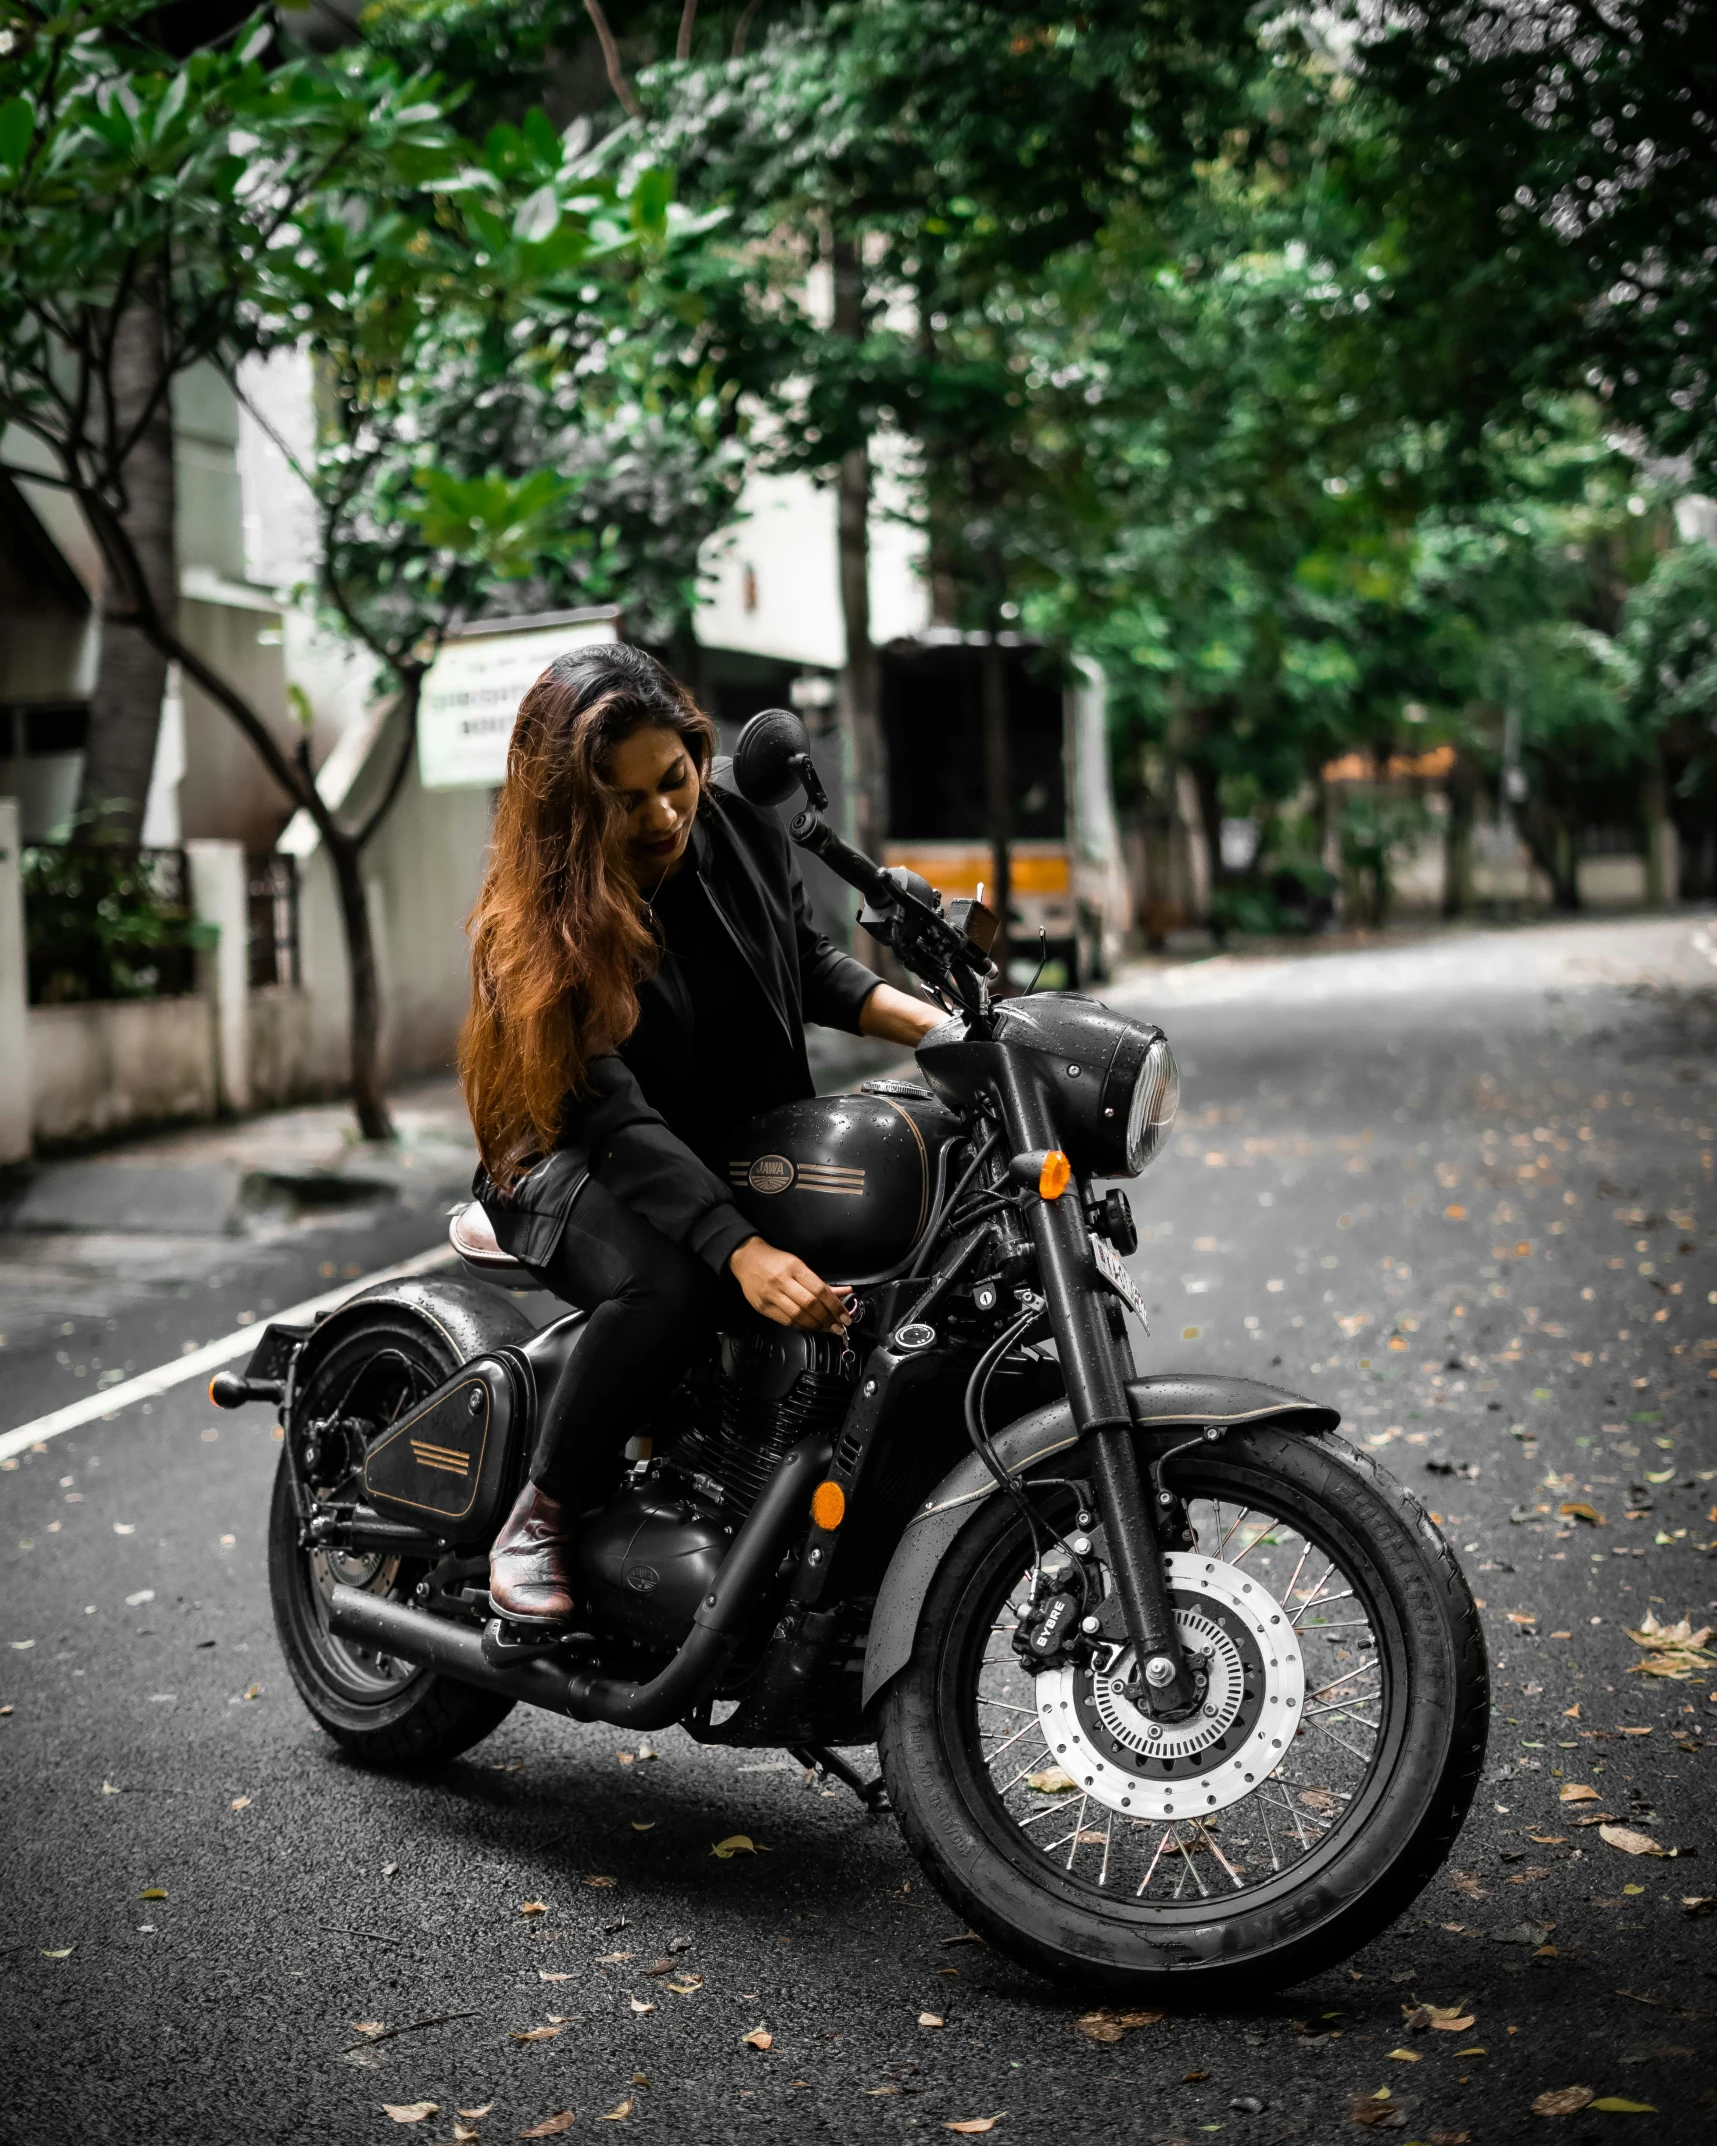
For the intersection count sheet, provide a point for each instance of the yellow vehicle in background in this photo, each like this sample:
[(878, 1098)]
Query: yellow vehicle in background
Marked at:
[(1068, 902)]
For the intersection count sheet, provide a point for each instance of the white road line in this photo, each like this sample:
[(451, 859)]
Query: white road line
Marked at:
[(198, 1363)]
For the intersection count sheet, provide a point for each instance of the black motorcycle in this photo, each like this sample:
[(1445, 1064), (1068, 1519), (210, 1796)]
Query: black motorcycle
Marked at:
[(1171, 1685)]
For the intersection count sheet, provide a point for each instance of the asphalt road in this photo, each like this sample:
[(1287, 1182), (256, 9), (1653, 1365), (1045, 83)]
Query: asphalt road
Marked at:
[(1466, 1193)]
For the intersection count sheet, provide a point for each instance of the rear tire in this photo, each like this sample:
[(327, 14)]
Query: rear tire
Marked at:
[(1413, 1751), (384, 1712)]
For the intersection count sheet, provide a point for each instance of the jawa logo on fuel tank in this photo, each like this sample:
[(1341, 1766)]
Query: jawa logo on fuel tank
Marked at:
[(774, 1173)]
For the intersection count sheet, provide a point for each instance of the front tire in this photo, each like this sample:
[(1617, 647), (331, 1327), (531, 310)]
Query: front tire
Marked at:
[(1283, 1855)]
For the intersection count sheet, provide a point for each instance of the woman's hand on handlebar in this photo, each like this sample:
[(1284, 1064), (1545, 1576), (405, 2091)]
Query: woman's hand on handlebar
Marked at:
[(784, 1289)]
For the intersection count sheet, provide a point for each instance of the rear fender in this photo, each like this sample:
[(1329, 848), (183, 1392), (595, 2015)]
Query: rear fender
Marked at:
[(463, 1318), (1169, 1406)]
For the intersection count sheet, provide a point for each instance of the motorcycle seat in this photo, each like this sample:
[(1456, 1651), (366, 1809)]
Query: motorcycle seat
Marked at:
[(472, 1236)]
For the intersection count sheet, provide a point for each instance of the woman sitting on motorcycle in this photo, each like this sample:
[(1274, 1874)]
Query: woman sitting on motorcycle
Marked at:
[(643, 965)]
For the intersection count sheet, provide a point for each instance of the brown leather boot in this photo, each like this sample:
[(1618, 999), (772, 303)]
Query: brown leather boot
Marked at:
[(530, 1575)]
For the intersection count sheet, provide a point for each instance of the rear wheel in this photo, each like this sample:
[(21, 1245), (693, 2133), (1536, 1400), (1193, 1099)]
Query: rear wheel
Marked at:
[(1319, 1784), (382, 1710)]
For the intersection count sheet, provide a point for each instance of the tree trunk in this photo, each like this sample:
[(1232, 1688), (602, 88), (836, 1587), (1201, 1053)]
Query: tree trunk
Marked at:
[(998, 789), (1207, 784), (861, 709), (125, 712), (1654, 812), (344, 846), (1548, 838), (364, 987), (1458, 838)]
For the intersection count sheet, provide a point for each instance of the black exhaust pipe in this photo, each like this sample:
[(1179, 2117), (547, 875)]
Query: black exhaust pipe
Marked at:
[(721, 1621)]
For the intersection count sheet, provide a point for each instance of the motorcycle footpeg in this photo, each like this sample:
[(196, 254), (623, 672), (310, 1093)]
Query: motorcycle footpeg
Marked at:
[(506, 1643)]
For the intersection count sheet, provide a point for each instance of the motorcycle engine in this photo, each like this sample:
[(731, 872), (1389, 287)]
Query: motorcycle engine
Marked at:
[(775, 1385), (650, 1555)]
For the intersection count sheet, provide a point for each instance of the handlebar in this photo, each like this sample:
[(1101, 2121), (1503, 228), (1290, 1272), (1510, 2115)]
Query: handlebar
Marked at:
[(927, 942), (811, 831)]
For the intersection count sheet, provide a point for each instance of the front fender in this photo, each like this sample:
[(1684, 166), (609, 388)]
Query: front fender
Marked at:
[(1170, 1401)]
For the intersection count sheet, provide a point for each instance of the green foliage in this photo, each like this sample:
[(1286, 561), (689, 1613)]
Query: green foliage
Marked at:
[(98, 926), (1670, 634)]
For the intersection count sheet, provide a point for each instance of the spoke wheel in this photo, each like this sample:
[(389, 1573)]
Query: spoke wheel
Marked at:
[(1299, 1806), (1258, 1779), (383, 1710)]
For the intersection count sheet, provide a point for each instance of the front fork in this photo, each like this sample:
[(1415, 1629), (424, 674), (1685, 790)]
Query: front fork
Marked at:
[(1095, 1375)]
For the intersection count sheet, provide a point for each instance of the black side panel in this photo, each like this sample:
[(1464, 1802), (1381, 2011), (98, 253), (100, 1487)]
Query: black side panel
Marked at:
[(1167, 1405), (447, 1463)]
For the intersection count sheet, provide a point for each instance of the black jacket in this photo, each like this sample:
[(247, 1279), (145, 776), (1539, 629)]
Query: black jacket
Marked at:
[(613, 1130)]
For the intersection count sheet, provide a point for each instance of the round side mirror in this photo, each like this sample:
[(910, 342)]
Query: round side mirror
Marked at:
[(763, 760)]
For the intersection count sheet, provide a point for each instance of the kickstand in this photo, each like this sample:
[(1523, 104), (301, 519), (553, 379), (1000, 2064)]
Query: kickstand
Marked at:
[(872, 1794)]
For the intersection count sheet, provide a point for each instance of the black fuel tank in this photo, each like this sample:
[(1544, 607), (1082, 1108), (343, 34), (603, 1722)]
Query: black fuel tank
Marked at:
[(845, 1181)]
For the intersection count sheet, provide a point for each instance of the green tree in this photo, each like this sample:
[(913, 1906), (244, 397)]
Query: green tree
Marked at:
[(469, 309)]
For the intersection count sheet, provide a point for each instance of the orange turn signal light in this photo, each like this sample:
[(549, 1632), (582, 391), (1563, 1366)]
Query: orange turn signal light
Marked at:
[(1055, 1176), (828, 1506)]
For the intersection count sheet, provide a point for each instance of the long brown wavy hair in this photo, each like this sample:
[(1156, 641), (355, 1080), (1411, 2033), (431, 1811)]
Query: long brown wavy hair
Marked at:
[(558, 948)]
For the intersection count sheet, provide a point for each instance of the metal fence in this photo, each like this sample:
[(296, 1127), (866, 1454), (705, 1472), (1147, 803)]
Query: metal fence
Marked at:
[(273, 892)]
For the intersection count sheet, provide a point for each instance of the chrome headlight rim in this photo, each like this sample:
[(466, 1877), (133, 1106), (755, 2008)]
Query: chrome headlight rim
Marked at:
[(1153, 1105)]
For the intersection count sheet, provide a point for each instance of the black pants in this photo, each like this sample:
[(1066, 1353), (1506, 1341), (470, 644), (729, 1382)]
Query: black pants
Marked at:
[(652, 1306)]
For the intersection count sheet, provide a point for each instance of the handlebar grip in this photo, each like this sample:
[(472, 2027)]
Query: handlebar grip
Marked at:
[(811, 831)]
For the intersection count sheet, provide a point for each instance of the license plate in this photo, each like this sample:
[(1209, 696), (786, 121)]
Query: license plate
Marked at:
[(1110, 1267)]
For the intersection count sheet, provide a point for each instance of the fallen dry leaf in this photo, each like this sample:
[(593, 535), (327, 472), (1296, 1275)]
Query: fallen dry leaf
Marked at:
[(1446, 2018), (974, 2124), (535, 2034), (533, 1907), (1053, 1781), (239, 1803), (931, 2019), (465, 2134), (553, 1974), (410, 2112), (758, 2038), (1628, 1841), (1105, 2026), (643, 1825), (551, 2126), (735, 1844), (1573, 1509), (369, 2026), (1578, 1792), (1699, 1905), (1615, 2105), (1376, 2112), (474, 2114), (1562, 2101), (599, 1883), (1523, 1616), (640, 2006), (621, 2110), (686, 1987)]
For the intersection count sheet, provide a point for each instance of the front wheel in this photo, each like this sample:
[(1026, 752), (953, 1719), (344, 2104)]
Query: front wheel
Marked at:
[(1318, 1785)]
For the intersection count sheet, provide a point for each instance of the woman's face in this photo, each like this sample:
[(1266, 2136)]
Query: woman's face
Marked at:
[(657, 781)]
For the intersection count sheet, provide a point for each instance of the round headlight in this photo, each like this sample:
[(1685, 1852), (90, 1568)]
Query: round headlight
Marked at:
[(1153, 1106)]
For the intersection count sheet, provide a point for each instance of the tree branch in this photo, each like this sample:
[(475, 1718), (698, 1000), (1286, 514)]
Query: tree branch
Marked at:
[(611, 58), (747, 15), (688, 21)]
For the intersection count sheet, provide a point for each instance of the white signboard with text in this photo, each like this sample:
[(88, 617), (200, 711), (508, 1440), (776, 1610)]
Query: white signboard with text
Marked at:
[(473, 690)]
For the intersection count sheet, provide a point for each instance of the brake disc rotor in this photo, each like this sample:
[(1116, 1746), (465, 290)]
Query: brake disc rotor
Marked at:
[(1251, 1708)]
